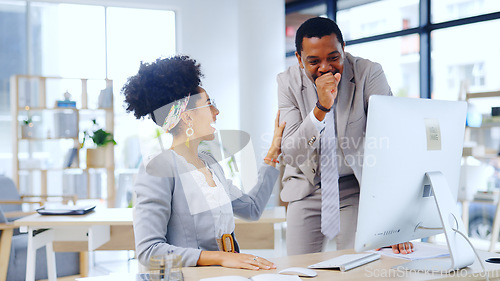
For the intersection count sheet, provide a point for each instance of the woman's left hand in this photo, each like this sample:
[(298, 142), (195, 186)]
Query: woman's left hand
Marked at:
[(246, 261), (275, 149), (278, 133)]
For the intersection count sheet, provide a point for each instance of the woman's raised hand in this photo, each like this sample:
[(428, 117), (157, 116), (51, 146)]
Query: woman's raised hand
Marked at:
[(275, 149)]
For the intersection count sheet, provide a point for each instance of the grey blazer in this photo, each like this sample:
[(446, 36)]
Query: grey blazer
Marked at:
[(300, 144), (165, 222)]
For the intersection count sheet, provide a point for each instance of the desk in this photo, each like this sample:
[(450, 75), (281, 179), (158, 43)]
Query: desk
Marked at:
[(103, 229), (377, 270), (112, 229), (266, 233)]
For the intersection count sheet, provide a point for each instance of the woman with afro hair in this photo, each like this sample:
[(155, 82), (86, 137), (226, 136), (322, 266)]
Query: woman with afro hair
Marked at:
[(185, 205)]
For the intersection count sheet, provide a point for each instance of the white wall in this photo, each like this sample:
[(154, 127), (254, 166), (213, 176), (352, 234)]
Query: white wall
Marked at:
[(262, 57), (241, 47), (208, 32)]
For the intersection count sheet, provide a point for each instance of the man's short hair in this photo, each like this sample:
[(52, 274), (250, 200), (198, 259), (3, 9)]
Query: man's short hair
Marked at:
[(316, 27)]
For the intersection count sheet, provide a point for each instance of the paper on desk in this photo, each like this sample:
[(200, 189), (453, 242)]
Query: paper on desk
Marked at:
[(420, 251)]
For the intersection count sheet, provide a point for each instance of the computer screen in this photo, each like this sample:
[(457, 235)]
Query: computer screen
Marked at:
[(412, 154)]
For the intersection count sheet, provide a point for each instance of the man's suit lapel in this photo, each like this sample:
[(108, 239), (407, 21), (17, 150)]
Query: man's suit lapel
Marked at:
[(309, 94), (345, 96)]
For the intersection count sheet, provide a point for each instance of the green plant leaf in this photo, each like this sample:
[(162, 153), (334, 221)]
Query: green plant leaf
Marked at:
[(99, 137), (102, 138)]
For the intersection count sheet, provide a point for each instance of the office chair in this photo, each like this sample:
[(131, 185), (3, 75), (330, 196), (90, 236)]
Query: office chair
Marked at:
[(14, 245)]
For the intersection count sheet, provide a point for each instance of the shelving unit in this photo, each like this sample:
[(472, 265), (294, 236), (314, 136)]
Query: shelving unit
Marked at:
[(479, 138), (37, 96), (489, 155)]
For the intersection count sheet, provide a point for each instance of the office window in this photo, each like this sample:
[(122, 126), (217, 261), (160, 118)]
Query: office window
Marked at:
[(465, 54), (361, 21), (399, 58), (12, 47), (134, 35), (362, 28), (445, 10), (472, 72), (67, 40), (71, 40), (12, 60), (293, 21)]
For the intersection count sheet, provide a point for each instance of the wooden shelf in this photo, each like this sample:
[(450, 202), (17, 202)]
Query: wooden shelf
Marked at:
[(82, 112), (45, 139), (487, 123), (60, 169), (492, 94), (96, 109), (46, 169), (45, 108)]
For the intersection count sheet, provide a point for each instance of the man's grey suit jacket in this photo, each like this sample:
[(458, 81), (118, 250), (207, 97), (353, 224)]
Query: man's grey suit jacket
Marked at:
[(301, 140)]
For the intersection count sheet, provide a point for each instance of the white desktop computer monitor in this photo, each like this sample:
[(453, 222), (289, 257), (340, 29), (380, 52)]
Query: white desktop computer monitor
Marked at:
[(411, 170)]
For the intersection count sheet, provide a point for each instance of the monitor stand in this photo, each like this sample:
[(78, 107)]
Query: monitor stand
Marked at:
[(461, 253)]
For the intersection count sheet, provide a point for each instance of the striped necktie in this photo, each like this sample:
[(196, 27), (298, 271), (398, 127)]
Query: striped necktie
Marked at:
[(330, 215)]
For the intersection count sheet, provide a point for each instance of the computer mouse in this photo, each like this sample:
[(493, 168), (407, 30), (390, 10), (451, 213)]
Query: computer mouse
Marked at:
[(300, 271)]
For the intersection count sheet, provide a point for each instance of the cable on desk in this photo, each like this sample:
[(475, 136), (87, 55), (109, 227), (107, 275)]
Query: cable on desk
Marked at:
[(429, 228), (475, 252)]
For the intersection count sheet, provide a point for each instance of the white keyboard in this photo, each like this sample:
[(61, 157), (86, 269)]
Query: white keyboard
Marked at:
[(346, 262)]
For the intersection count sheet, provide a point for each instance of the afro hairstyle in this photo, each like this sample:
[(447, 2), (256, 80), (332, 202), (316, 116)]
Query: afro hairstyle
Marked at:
[(160, 83)]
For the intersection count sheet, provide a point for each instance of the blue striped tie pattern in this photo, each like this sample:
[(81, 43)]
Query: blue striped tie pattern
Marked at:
[(330, 214)]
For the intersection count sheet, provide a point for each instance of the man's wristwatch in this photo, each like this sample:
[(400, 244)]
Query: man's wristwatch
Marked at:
[(322, 108)]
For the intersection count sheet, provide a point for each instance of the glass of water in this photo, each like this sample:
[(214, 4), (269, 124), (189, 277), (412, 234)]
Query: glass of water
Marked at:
[(166, 268)]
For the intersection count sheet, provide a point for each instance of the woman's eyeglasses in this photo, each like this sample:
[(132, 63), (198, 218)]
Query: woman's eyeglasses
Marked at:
[(211, 102)]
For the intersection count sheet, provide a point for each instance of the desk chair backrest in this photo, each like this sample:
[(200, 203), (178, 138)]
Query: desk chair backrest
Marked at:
[(9, 192)]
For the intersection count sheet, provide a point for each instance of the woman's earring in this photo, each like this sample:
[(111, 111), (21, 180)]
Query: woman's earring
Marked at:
[(189, 133)]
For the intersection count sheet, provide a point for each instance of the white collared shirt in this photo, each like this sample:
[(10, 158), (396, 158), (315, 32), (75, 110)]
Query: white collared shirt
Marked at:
[(344, 168), (214, 199)]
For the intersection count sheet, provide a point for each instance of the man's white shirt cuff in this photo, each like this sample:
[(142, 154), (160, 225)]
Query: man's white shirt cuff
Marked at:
[(320, 125)]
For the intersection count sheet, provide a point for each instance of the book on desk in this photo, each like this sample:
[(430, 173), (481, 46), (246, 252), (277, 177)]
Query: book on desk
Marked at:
[(66, 210)]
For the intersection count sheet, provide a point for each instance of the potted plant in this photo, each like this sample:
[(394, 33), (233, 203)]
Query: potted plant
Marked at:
[(27, 128), (96, 157)]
